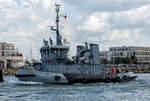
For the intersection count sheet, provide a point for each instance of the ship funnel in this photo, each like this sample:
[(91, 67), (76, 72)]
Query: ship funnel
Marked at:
[(94, 54)]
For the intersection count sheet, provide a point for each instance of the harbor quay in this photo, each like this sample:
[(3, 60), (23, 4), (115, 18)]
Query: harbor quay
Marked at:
[(135, 69), (139, 69)]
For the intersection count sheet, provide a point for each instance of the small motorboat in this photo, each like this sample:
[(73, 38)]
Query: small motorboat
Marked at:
[(129, 76)]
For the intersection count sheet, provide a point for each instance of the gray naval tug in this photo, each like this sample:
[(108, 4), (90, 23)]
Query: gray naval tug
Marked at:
[(56, 68)]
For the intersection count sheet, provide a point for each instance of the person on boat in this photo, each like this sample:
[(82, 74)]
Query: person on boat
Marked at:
[(113, 70), (117, 70)]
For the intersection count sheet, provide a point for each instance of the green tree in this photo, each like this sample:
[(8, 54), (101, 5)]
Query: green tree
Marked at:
[(33, 61), (133, 59), (118, 60), (27, 63), (104, 61), (128, 60)]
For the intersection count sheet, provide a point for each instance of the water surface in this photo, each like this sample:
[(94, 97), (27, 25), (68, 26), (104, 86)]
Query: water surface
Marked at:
[(14, 90)]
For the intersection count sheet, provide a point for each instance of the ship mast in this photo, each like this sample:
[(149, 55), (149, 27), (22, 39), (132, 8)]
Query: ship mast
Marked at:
[(58, 37)]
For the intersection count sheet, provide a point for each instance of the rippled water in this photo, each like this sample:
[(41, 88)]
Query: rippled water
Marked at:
[(14, 90)]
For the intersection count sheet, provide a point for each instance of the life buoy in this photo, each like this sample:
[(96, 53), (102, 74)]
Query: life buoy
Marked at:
[(57, 78)]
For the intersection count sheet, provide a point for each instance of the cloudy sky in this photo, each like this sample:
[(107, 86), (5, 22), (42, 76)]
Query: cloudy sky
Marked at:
[(106, 22)]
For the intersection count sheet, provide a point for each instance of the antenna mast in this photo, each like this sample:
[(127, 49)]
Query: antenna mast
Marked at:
[(58, 37)]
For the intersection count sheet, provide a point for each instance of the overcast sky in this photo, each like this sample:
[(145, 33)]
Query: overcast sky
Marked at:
[(105, 22)]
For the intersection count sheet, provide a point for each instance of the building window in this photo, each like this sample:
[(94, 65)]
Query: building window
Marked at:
[(3, 53), (3, 47), (7, 54)]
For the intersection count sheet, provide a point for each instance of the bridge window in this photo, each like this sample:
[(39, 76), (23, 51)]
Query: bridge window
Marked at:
[(41, 52)]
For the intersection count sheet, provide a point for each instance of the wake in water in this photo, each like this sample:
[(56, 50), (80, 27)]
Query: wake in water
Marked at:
[(14, 80)]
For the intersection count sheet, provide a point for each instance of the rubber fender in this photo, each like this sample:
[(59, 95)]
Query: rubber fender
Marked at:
[(71, 78), (84, 80)]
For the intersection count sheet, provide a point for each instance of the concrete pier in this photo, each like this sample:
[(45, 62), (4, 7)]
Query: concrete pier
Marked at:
[(1, 76)]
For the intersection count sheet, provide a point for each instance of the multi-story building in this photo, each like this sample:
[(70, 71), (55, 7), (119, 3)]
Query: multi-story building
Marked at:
[(9, 55), (142, 54), (105, 55)]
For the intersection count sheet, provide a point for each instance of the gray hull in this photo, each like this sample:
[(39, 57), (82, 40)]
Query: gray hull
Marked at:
[(71, 78)]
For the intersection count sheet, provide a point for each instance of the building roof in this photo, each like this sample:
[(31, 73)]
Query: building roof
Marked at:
[(130, 47)]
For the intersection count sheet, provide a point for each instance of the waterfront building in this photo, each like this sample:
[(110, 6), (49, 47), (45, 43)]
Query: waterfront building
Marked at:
[(105, 55), (9, 55), (142, 54)]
